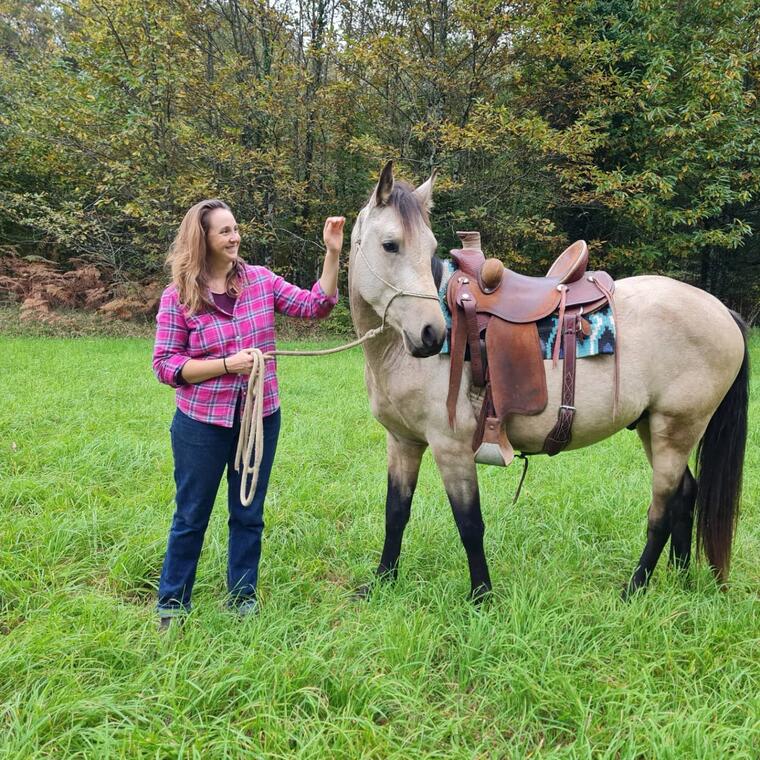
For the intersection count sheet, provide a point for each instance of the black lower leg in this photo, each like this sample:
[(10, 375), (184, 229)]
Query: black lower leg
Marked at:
[(657, 535), (470, 526), (398, 507), (681, 509)]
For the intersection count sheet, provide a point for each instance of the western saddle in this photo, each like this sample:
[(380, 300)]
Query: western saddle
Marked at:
[(494, 314)]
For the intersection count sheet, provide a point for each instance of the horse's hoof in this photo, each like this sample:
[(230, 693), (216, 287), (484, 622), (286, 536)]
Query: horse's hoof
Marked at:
[(479, 594), (634, 588), (362, 593)]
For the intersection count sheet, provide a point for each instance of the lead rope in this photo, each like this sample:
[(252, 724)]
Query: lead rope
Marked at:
[(251, 437)]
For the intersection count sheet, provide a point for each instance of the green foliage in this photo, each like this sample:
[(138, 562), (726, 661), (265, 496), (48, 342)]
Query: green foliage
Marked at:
[(631, 124), (636, 127)]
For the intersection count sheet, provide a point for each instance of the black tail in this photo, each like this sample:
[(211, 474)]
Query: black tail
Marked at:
[(720, 460)]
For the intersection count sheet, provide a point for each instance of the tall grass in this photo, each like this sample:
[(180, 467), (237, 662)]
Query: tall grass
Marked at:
[(555, 665)]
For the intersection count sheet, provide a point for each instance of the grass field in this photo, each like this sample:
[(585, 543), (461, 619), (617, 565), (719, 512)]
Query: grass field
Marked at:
[(555, 665)]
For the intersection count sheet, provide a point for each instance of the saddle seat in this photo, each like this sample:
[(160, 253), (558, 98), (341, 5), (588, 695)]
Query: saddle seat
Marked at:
[(486, 299)]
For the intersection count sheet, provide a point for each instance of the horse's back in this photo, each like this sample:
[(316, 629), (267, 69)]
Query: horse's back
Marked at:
[(659, 297), (677, 324)]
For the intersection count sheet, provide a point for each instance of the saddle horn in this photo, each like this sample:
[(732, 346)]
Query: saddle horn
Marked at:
[(491, 274)]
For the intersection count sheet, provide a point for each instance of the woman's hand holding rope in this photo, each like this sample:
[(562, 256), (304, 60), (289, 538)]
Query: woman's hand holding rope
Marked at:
[(242, 362)]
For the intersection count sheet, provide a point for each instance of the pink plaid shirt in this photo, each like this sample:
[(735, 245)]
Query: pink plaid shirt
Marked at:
[(213, 334)]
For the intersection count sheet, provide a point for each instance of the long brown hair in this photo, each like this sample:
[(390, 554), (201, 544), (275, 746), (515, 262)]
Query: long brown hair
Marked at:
[(188, 261)]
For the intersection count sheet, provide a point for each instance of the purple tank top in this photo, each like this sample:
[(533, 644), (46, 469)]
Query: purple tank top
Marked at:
[(224, 301)]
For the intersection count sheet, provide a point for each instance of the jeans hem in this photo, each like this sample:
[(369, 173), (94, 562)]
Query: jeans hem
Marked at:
[(173, 611)]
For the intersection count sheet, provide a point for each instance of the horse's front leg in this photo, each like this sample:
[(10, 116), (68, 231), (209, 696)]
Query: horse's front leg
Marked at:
[(404, 459), (460, 478)]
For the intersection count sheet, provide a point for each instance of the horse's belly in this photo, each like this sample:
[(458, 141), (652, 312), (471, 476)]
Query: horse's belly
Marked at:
[(594, 401)]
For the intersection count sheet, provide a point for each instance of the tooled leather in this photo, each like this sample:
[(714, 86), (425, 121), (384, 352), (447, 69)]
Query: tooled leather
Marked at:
[(519, 302), (473, 341), (468, 260), (516, 368), (458, 345), (528, 299)]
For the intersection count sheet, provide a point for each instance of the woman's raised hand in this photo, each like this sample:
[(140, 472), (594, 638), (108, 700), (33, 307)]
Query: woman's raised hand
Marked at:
[(332, 234)]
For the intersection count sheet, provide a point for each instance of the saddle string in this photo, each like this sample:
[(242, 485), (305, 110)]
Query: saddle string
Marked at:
[(525, 459), (250, 439), (560, 321)]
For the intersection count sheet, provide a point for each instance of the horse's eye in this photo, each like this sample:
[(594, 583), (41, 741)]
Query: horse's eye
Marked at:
[(391, 247)]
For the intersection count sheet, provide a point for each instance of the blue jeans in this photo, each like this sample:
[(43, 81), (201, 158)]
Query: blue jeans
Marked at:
[(201, 452)]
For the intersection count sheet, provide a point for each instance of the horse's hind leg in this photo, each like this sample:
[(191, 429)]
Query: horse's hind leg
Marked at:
[(670, 442), (680, 507), (404, 459), (682, 521), (460, 479)]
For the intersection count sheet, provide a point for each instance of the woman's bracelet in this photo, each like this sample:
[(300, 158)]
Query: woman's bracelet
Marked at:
[(224, 361)]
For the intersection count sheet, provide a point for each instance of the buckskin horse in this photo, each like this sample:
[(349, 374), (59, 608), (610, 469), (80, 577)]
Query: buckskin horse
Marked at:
[(680, 377)]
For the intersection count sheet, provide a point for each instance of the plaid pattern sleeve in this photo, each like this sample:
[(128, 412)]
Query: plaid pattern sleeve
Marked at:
[(171, 339), (296, 302), (214, 333)]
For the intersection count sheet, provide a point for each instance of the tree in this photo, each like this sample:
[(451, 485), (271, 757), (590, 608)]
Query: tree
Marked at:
[(633, 125)]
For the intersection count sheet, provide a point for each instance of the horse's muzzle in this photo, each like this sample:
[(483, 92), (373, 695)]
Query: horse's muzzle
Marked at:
[(429, 342)]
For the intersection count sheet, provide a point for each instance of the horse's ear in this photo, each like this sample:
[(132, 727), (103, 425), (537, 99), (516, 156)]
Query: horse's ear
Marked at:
[(424, 193), (384, 185)]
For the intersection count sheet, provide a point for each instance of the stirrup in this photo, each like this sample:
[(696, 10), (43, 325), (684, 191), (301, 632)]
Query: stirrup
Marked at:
[(495, 448)]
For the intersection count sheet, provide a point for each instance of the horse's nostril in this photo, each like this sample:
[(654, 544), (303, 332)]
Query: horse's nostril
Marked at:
[(430, 336)]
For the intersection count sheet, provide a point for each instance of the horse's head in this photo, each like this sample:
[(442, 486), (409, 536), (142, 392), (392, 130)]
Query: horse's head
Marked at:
[(391, 250)]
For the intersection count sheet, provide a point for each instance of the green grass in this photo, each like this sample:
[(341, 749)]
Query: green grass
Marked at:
[(555, 665)]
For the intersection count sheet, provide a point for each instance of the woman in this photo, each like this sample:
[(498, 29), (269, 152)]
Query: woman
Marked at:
[(216, 309)]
